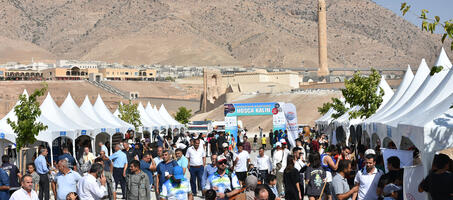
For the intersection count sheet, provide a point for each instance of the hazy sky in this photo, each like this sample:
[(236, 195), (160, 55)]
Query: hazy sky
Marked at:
[(441, 8)]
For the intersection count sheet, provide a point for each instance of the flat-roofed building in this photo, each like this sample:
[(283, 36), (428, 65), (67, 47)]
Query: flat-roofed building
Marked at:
[(20, 75)]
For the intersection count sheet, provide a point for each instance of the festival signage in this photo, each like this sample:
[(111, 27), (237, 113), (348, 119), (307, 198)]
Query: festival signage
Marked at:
[(291, 122), (251, 109), (231, 129)]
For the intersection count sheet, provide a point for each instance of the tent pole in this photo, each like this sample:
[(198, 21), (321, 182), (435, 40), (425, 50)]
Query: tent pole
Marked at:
[(73, 149), (111, 141), (51, 154), (93, 145)]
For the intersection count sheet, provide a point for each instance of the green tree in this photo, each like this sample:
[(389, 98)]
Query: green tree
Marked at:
[(430, 24), (183, 115), (27, 111), (336, 104), (363, 91), (129, 113)]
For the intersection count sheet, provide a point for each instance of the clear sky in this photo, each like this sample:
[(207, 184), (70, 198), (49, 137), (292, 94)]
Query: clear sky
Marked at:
[(441, 8)]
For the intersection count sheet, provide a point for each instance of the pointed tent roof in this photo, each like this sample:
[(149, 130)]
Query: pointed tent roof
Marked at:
[(146, 120), (407, 79), (51, 111), (164, 113), (154, 114), (102, 110), (423, 92), (116, 113), (88, 110), (70, 108)]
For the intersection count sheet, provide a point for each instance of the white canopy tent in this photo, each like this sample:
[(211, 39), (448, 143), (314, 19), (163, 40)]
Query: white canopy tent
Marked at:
[(404, 85), (344, 121), (164, 114), (387, 126), (147, 122), (103, 112), (154, 114)]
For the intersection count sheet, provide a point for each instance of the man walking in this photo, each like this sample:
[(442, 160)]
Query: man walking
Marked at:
[(147, 165), (182, 161), (164, 170), (225, 184), (26, 192), (137, 183), (367, 179), (119, 159), (65, 181), (340, 183), (42, 170), (264, 165), (88, 188), (242, 163), (197, 160), (209, 170)]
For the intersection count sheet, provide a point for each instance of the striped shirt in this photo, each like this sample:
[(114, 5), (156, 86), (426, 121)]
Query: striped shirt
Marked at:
[(222, 182), (171, 192)]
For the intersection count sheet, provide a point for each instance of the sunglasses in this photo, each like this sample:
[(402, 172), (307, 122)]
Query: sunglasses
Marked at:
[(223, 162)]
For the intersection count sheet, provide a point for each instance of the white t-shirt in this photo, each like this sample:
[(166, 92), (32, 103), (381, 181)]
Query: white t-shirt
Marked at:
[(263, 163), (368, 183), (241, 165), (196, 156), (21, 194), (279, 158)]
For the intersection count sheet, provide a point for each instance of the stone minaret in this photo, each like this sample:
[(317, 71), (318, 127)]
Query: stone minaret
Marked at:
[(322, 39)]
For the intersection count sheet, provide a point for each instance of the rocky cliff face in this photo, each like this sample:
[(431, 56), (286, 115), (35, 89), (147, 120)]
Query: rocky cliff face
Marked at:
[(215, 32)]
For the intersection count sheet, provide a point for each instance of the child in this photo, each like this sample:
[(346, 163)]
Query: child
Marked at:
[(272, 182), (263, 141), (211, 195), (35, 177)]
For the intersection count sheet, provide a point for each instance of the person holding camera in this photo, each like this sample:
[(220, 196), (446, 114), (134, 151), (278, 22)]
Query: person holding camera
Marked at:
[(88, 188)]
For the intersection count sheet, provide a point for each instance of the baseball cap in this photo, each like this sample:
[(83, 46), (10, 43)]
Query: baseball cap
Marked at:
[(178, 172), (283, 141), (390, 188), (370, 151), (221, 158), (278, 144), (225, 145)]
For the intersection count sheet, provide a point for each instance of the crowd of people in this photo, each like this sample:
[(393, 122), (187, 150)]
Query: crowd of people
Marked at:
[(185, 166)]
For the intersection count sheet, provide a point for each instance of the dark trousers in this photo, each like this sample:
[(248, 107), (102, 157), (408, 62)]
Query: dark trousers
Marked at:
[(44, 187), (119, 178), (195, 173), (262, 176)]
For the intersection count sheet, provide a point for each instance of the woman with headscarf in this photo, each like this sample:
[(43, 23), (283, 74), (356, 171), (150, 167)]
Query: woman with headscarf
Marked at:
[(250, 184)]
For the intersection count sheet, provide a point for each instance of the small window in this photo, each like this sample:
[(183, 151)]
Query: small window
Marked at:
[(127, 73)]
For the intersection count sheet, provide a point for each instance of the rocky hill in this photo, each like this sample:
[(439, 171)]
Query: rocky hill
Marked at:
[(212, 32)]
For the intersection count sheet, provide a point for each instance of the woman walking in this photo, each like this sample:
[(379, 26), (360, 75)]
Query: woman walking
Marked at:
[(291, 180)]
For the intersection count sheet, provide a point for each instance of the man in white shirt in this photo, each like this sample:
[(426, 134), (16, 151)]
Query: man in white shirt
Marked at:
[(26, 192), (197, 160), (242, 163), (88, 188), (264, 165), (279, 159), (367, 179)]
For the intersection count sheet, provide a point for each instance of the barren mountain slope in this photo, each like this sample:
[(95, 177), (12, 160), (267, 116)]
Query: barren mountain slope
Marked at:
[(217, 32)]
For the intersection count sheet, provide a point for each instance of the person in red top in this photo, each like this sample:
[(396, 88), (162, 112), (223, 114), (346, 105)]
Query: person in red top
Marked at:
[(315, 144), (247, 145)]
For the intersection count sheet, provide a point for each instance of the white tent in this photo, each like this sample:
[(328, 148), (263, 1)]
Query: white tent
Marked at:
[(405, 83), (89, 111), (345, 122), (387, 126), (164, 114), (103, 112), (147, 122), (154, 114), (116, 113)]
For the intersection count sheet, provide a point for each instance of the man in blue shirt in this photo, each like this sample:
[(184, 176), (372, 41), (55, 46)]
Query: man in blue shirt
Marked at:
[(65, 181), (42, 170), (67, 156), (164, 170), (181, 160), (146, 165), (4, 184), (119, 159), (209, 170)]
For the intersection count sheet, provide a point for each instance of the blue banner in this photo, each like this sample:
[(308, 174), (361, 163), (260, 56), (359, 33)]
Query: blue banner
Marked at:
[(251, 109), (231, 129)]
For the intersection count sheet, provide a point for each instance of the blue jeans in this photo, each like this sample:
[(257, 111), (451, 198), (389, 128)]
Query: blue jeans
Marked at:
[(195, 173)]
